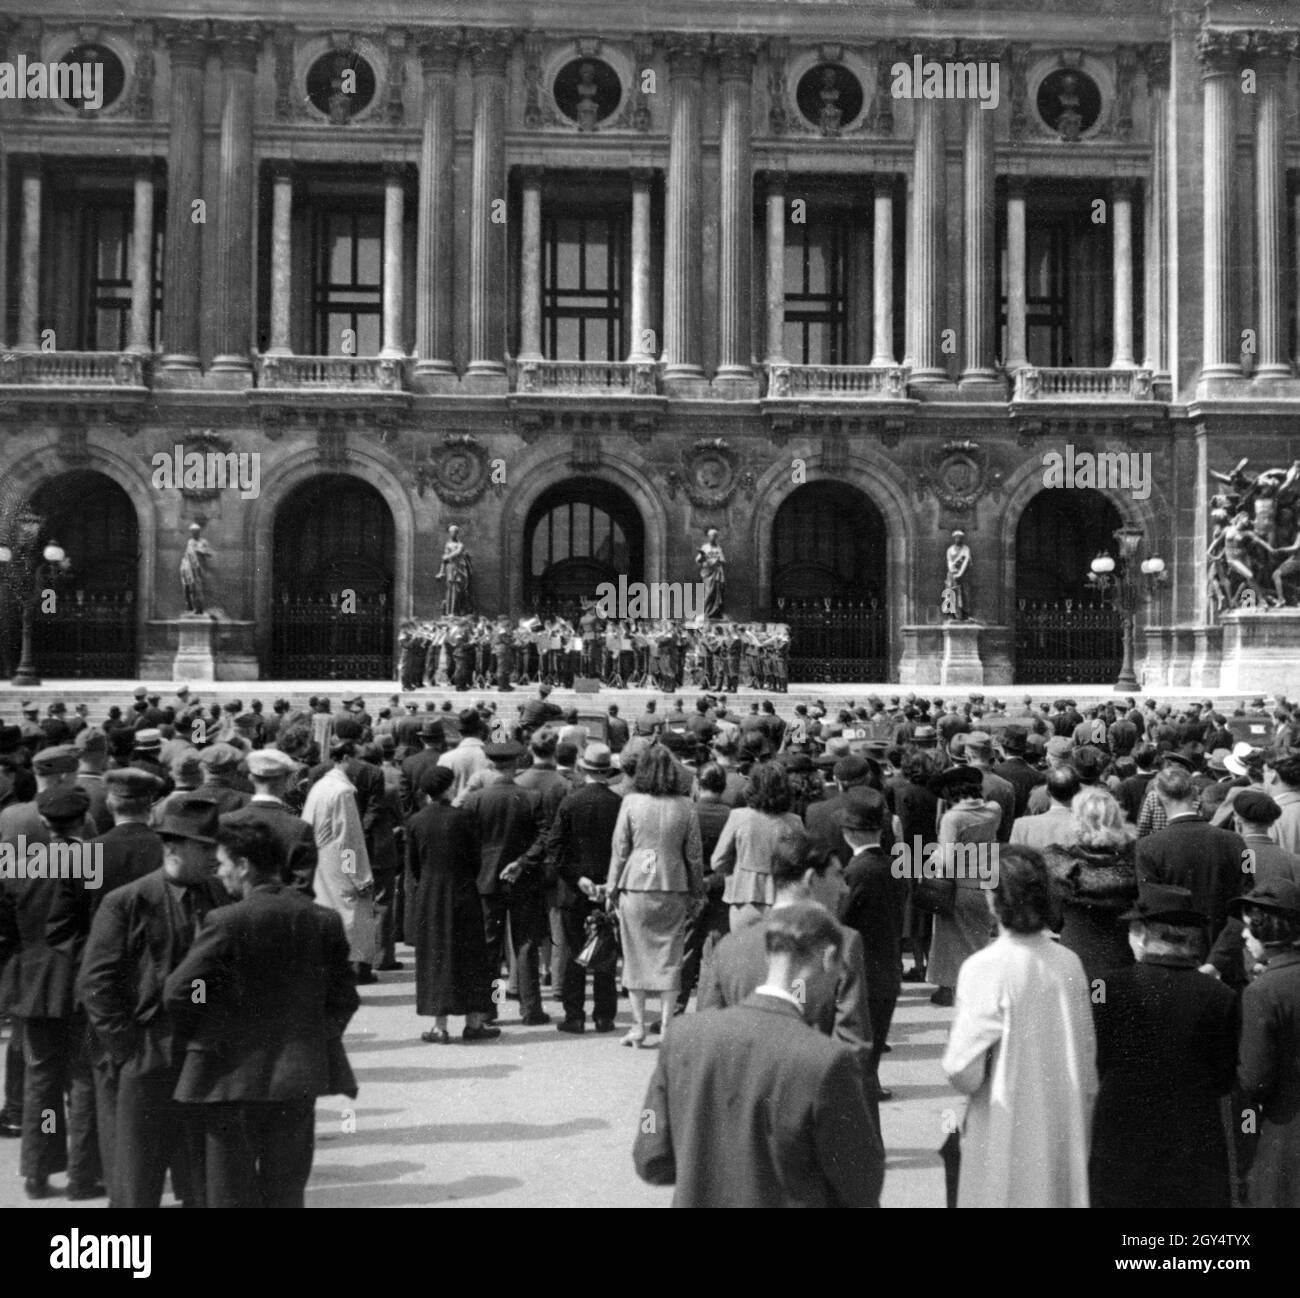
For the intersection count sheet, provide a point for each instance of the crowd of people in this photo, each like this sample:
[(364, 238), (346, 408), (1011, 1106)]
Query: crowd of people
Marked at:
[(1108, 899), (467, 653)]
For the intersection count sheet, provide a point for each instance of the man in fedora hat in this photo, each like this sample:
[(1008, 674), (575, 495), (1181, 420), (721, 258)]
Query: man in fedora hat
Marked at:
[(1015, 769), (1166, 1053), (577, 851), (140, 933)]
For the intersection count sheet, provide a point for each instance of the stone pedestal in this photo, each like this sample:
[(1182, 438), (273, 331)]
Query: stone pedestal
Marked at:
[(961, 663), (955, 653), (194, 659), (1261, 651)]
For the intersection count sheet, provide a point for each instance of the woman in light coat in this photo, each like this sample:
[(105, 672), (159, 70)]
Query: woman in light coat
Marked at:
[(748, 844), (343, 880)]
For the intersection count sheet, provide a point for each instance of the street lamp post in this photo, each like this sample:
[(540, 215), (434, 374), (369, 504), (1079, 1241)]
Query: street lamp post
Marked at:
[(1116, 579), (25, 565)]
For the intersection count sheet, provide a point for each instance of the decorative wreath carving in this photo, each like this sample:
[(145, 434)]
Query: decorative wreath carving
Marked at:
[(958, 475), (710, 474), (458, 471)]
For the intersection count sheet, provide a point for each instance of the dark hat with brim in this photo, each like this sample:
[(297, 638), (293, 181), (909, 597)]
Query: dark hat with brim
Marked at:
[(194, 819), (510, 751), (862, 809), (1281, 896), (132, 782), (63, 804), (1164, 903)]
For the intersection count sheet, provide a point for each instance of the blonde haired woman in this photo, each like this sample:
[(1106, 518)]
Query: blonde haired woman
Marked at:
[(1096, 881)]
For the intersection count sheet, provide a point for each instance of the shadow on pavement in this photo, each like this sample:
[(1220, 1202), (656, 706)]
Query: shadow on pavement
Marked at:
[(454, 1133), (409, 1196)]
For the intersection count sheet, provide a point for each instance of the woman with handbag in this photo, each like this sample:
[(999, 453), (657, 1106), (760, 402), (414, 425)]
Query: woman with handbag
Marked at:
[(655, 878), (966, 927)]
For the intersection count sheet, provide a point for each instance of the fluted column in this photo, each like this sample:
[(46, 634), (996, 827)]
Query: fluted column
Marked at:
[(394, 201), (1219, 73), (642, 347), (682, 236), (530, 286), (977, 243), (775, 191), (238, 45), (1155, 214), (736, 214), (29, 261), (1271, 52), (489, 51), (183, 244), (882, 272), (434, 254), (281, 260), (1121, 234), (1017, 347), (929, 230), (141, 320)]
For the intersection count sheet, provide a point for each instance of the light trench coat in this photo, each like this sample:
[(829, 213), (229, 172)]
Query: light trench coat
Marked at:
[(1023, 1048), (331, 810)]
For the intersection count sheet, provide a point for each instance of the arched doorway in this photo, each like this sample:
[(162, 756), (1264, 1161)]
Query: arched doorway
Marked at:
[(332, 603), (579, 534), (828, 583), (1065, 631), (88, 630)]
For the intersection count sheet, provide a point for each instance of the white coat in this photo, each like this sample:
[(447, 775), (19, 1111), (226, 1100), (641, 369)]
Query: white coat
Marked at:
[(342, 862)]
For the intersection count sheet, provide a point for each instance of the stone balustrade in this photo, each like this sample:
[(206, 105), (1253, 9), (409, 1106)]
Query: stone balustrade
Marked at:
[(383, 374), (73, 369), (836, 381), (576, 378), (1034, 384)]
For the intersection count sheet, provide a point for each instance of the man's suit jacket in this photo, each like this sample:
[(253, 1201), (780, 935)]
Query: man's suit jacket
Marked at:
[(752, 1108), (277, 994), (413, 770), (293, 834), (1190, 853), (1054, 827), (819, 820), (134, 945), (874, 907), (509, 820), (93, 786), (1022, 777), (738, 967), (580, 840)]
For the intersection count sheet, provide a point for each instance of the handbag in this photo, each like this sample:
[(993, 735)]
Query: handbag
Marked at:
[(601, 950), (937, 896)]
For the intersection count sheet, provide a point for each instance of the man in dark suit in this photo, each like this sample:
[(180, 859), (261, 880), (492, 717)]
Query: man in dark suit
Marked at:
[(265, 1039), (434, 744), (37, 987), (874, 907), (1190, 853), (1166, 1053), (270, 770), (1015, 769), (616, 730), (850, 772), (537, 712), (750, 1107), (509, 821), (140, 933), (578, 848)]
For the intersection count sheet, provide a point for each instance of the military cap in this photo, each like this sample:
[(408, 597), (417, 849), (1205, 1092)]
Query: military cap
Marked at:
[(147, 739), (182, 690), (220, 757), (267, 763), (131, 782), (55, 761), (70, 803)]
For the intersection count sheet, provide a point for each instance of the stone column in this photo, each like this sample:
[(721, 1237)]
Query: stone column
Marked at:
[(394, 196), (977, 204), (29, 261), (683, 234), (640, 315), (281, 260), (775, 192), (187, 51), (530, 285), (1121, 235), (489, 51), (1017, 346), (882, 284), (141, 265), (435, 253), (238, 45), (1220, 87), (1155, 213), (929, 231), (736, 214), (1272, 51)]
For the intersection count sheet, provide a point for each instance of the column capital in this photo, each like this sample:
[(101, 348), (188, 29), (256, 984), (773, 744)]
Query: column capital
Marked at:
[(489, 50), (1219, 52), (187, 42), (1270, 50), (985, 51), (686, 52), (1155, 62), (735, 57), (237, 44), (440, 51)]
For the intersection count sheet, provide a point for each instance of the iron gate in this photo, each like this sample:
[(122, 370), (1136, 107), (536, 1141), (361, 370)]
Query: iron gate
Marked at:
[(833, 640), (1068, 642), (318, 638), (90, 636)]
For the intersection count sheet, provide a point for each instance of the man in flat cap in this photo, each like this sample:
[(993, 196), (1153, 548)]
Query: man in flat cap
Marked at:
[(37, 987), (271, 770), (221, 783), (55, 768), (140, 933)]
